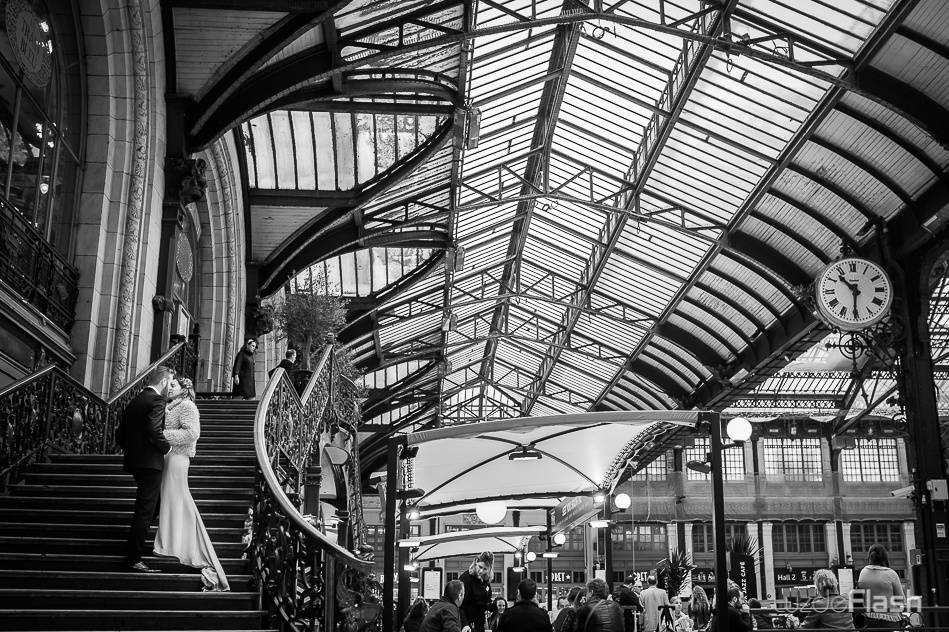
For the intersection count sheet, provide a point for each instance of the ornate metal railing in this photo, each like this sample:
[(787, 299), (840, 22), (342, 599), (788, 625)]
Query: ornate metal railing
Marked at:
[(308, 581), (50, 411), (31, 266)]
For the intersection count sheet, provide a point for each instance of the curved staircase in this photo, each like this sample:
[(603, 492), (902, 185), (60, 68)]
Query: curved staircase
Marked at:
[(63, 528)]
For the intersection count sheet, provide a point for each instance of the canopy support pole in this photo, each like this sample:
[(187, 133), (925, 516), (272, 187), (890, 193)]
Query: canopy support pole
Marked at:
[(388, 584), (550, 566), (718, 517)]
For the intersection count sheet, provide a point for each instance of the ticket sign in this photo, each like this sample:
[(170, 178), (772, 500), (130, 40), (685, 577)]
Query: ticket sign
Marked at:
[(794, 576)]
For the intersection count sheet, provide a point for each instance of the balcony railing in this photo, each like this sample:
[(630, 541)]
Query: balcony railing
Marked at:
[(51, 412), (33, 269)]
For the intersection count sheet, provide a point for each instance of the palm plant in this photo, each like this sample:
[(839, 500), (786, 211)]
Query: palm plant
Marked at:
[(673, 572), (744, 544)]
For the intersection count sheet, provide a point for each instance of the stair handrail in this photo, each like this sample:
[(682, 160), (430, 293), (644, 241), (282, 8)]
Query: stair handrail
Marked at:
[(307, 579), (73, 418)]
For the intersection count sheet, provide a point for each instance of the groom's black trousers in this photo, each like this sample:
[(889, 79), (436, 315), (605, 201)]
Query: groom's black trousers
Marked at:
[(147, 494)]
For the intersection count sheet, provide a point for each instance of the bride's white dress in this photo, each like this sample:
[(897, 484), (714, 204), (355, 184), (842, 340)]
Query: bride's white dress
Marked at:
[(181, 531)]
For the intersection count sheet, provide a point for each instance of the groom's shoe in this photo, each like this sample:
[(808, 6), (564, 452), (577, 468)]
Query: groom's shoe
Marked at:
[(141, 567)]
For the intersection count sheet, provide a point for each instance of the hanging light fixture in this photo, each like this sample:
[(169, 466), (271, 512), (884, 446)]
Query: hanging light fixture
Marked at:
[(525, 453), (622, 500), (738, 429), (492, 511)]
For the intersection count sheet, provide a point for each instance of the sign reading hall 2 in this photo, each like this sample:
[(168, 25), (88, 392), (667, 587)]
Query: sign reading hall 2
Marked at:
[(742, 571)]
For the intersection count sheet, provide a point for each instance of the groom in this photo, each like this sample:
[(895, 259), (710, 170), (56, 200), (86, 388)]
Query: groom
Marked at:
[(141, 436)]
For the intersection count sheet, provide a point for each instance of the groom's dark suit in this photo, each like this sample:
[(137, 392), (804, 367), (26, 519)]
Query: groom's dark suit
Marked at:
[(141, 436)]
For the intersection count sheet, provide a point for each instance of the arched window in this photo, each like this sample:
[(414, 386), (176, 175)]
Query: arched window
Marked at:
[(41, 114)]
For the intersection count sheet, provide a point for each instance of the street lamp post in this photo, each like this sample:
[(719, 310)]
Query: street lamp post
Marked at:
[(714, 422)]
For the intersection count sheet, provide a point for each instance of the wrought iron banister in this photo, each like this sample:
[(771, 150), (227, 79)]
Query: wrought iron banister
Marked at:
[(51, 410), (35, 270), (309, 582)]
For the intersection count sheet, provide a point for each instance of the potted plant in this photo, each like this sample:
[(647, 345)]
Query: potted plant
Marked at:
[(673, 572)]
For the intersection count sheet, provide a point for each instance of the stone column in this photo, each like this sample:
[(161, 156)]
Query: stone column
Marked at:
[(847, 553), (767, 549), (830, 538), (909, 542)]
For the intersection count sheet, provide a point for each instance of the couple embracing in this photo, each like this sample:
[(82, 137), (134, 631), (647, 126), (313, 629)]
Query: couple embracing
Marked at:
[(158, 434)]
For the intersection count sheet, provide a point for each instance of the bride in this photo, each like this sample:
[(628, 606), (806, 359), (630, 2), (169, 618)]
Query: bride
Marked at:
[(181, 531)]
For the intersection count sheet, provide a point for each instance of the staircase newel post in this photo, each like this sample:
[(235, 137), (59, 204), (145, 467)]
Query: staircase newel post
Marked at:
[(329, 585), (47, 421), (194, 340)]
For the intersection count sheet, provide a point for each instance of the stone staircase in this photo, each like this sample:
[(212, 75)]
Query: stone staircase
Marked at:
[(63, 527)]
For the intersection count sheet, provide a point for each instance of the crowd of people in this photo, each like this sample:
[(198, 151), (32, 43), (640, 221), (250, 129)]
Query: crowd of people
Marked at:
[(467, 606)]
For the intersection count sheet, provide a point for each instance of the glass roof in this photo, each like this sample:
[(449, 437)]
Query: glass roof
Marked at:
[(627, 199)]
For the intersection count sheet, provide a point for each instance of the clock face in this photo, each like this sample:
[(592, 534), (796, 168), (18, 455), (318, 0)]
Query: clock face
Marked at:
[(853, 293)]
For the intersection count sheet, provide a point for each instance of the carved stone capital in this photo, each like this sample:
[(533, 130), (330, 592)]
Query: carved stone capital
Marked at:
[(185, 181)]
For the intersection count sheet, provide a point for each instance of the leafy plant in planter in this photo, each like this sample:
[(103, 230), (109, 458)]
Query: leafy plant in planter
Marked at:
[(309, 319), (744, 544), (673, 572)]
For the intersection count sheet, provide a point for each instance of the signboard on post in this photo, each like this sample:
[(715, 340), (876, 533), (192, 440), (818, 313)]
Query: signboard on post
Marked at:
[(742, 572), (571, 512), (794, 576), (432, 583)]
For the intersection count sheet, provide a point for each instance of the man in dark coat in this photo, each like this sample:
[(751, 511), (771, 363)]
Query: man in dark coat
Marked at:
[(628, 599), (286, 364), (141, 436), (243, 373), (444, 615), (525, 615), (603, 615)]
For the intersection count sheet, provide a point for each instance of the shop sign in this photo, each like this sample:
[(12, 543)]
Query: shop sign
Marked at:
[(703, 576), (561, 577), (794, 576), (742, 572), (571, 512), (30, 40)]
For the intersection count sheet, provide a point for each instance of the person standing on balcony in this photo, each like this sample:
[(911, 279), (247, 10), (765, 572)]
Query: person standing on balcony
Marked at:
[(141, 437), (243, 373)]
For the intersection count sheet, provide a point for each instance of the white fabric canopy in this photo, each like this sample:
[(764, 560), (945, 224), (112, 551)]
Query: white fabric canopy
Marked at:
[(522, 504), (581, 454), (474, 541)]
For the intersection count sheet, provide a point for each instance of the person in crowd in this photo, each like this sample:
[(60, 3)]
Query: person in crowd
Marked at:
[(477, 581), (500, 605), (569, 607), (569, 623), (599, 613), (413, 620), (761, 617), (444, 615), (559, 605), (680, 620), (181, 532), (700, 611), (651, 599), (525, 615), (243, 372), (141, 436), (628, 599), (829, 610), (879, 585), (287, 364), (736, 622)]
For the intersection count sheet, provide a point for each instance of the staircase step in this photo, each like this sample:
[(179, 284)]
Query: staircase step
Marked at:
[(107, 563), (93, 517), (194, 599), (115, 467), (233, 506), (102, 531), (231, 457), (213, 493), (63, 580), (76, 479), (131, 619), (101, 546)]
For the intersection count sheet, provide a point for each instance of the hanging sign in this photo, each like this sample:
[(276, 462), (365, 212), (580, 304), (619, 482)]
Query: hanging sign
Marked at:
[(742, 572), (794, 576), (571, 512), (30, 40)]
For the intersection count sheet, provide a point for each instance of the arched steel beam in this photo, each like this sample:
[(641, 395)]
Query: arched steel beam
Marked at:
[(732, 303), (686, 340), (889, 133), (836, 189), (305, 246), (815, 216), (807, 244), (683, 357), (780, 271), (714, 331), (913, 105), (745, 288), (670, 368), (707, 329), (655, 375), (237, 78), (352, 88), (873, 171)]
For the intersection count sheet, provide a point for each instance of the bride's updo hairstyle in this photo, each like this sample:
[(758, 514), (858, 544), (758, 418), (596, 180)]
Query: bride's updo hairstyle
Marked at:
[(187, 388)]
